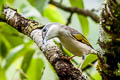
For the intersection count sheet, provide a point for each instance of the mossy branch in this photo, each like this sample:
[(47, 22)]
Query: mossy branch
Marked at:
[(109, 41)]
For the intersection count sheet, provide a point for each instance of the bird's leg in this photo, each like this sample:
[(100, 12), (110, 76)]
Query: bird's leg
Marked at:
[(83, 59), (71, 57)]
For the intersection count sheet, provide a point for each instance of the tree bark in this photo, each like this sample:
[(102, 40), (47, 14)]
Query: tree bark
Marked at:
[(109, 41), (63, 67)]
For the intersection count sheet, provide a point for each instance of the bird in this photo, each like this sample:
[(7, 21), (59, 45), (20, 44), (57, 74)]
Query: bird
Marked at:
[(70, 39)]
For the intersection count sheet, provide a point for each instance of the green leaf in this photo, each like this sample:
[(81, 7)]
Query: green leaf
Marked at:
[(89, 59), (82, 19), (26, 62), (10, 35), (10, 1), (77, 3), (96, 76), (2, 73), (53, 14), (17, 52), (38, 4), (4, 46), (15, 40), (49, 72), (3, 49), (36, 69), (5, 28), (1, 6), (84, 24)]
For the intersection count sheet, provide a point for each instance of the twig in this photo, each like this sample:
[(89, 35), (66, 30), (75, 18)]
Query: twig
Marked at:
[(69, 19), (77, 10)]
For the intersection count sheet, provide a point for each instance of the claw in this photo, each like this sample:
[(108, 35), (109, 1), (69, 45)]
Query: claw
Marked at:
[(80, 66)]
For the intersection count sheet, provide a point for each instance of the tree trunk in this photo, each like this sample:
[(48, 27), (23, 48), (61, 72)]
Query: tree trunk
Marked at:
[(109, 41)]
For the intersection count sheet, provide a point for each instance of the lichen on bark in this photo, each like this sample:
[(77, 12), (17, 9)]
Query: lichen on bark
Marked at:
[(109, 41)]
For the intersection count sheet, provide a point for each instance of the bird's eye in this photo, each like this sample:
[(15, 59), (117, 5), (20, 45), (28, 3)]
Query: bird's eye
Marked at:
[(44, 30)]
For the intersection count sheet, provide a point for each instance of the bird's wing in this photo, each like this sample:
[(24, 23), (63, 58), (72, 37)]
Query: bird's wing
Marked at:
[(78, 36)]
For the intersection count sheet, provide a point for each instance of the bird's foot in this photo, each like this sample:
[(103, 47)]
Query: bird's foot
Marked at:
[(67, 58), (80, 66), (71, 57)]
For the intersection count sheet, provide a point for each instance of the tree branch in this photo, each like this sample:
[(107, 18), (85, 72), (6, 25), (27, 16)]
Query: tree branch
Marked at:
[(69, 19), (63, 67), (80, 11)]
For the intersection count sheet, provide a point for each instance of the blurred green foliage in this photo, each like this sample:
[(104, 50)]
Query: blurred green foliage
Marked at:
[(21, 59), (56, 17), (82, 19)]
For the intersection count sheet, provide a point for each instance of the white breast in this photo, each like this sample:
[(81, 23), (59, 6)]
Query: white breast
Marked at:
[(74, 46)]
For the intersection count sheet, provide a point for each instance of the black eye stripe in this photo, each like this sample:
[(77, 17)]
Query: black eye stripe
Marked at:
[(44, 30), (46, 27)]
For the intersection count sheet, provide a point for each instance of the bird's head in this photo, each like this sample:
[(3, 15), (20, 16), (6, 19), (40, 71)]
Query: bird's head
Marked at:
[(50, 31)]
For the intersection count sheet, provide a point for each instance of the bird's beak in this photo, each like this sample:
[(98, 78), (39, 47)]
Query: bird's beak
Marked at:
[(44, 41), (45, 38)]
